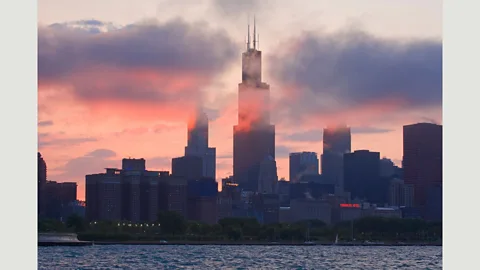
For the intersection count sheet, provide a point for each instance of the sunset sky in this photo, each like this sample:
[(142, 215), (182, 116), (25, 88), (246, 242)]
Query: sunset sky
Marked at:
[(118, 78)]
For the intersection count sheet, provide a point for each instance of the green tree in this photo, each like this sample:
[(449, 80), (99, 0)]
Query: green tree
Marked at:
[(172, 222), (76, 222)]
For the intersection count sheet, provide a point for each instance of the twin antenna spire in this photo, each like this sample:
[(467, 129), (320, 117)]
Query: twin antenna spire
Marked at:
[(256, 37)]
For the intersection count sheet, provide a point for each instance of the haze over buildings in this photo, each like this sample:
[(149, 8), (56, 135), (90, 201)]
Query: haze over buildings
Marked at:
[(140, 107), (253, 136)]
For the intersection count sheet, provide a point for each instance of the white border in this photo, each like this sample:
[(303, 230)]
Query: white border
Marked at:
[(18, 115), (18, 84), (461, 86)]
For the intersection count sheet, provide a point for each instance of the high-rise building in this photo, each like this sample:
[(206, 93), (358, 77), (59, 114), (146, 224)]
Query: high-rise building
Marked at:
[(42, 180), (266, 208), (336, 142), (268, 178), (188, 167), (103, 195), (131, 195), (57, 197), (253, 136), (197, 144), (126, 195), (304, 163), (396, 192), (202, 200), (422, 159), (362, 177), (133, 164)]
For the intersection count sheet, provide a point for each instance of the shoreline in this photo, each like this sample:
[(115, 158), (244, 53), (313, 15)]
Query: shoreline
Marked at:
[(226, 243)]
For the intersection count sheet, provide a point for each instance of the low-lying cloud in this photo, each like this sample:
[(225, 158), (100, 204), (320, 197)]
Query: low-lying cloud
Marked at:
[(145, 63), (339, 75)]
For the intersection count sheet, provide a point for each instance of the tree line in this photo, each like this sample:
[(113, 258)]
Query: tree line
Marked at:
[(172, 226)]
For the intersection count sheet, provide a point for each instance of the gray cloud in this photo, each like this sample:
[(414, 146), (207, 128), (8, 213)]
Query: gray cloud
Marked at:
[(44, 140), (331, 73), (281, 151), (158, 162), (45, 123), (94, 162), (369, 130), (72, 55), (102, 153), (225, 156), (314, 135), (236, 7)]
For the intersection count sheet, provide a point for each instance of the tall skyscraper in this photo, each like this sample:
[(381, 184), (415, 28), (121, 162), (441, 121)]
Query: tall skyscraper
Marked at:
[(42, 180), (268, 178), (254, 136), (362, 177), (197, 144), (422, 159), (336, 142), (188, 167), (304, 163)]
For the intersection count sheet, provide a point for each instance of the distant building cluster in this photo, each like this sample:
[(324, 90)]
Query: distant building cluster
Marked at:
[(138, 195), (352, 184), (55, 200)]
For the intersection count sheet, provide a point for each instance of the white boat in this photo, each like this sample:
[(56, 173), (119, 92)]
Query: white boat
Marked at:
[(336, 239)]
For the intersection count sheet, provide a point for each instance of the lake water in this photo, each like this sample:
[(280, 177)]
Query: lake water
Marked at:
[(239, 257)]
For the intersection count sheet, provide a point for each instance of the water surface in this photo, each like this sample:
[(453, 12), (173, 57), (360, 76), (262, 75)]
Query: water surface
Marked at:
[(239, 257)]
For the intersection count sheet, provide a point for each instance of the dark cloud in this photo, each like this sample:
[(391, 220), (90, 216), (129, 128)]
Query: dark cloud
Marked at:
[(92, 63), (314, 135), (332, 73), (45, 123), (369, 130)]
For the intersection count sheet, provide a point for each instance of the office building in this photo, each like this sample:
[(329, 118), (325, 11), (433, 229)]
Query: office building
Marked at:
[(176, 195), (132, 195), (422, 159), (315, 178), (254, 135), (433, 207), (308, 209), (310, 190), (188, 167), (103, 194), (202, 200), (396, 193), (57, 196), (266, 208), (133, 164), (283, 190), (42, 180), (304, 163), (197, 144), (362, 177), (336, 142), (268, 179)]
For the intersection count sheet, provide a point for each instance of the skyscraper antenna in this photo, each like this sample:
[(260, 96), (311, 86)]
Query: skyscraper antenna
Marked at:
[(258, 41), (248, 32), (254, 33)]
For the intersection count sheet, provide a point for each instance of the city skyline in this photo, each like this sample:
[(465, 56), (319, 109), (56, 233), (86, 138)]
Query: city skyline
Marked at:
[(95, 126)]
